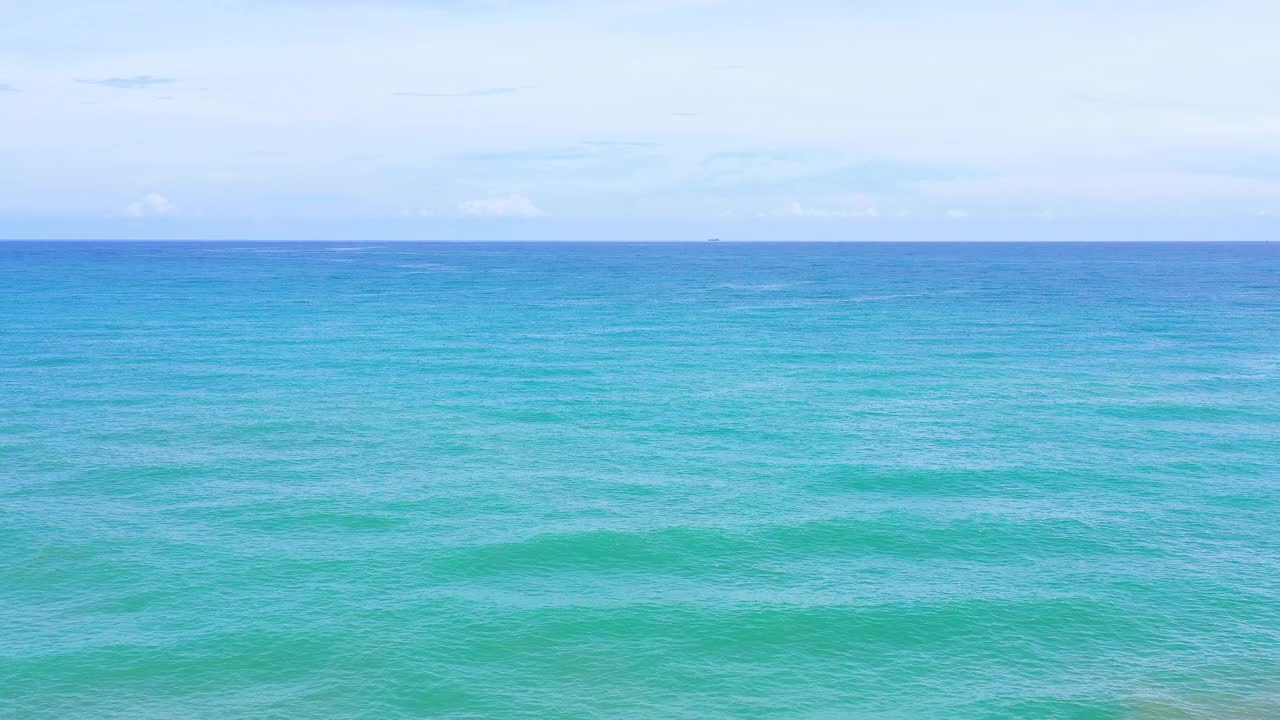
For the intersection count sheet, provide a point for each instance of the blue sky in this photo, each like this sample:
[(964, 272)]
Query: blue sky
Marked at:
[(662, 119)]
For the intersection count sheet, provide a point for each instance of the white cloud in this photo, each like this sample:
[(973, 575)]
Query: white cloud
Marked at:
[(417, 213), (128, 83), (855, 207), (1168, 193), (507, 206), (152, 204)]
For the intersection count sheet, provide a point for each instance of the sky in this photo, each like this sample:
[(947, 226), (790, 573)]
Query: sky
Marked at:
[(640, 119)]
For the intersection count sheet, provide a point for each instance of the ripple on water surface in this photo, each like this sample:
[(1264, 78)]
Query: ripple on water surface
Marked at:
[(645, 481)]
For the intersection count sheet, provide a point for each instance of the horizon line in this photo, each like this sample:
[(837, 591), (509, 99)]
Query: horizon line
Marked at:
[(718, 241)]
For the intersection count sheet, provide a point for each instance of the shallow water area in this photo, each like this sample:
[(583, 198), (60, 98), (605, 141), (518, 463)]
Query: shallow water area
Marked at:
[(568, 480)]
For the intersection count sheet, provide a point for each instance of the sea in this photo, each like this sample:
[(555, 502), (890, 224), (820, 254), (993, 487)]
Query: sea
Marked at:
[(667, 481)]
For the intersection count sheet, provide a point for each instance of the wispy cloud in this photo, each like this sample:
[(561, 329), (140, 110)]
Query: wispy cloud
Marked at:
[(151, 204), (478, 92), (854, 207), (621, 144), (1080, 125), (508, 206), (128, 83)]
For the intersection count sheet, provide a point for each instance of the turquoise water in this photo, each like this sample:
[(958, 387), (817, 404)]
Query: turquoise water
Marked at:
[(246, 480)]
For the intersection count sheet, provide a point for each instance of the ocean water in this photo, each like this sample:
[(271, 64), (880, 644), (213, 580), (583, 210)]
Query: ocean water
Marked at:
[(669, 481)]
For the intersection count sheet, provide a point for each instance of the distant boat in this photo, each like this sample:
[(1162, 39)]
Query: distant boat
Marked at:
[(713, 239)]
